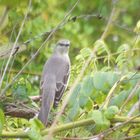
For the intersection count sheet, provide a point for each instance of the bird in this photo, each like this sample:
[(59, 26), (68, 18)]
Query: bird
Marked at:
[(54, 79)]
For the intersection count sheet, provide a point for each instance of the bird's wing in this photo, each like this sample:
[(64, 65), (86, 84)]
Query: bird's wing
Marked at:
[(62, 84)]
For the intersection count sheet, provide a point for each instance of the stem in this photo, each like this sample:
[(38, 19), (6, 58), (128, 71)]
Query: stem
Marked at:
[(111, 92), (22, 134)]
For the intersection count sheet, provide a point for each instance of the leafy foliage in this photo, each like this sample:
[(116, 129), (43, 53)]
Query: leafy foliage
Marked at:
[(108, 44)]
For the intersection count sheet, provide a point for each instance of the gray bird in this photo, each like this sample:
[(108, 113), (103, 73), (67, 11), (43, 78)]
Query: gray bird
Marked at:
[(54, 79)]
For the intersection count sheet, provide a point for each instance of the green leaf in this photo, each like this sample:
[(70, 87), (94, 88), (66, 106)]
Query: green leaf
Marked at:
[(89, 105), (100, 81), (73, 112), (100, 120), (85, 52), (101, 47), (87, 86), (83, 100), (1, 121), (74, 95), (20, 92), (112, 78), (120, 98), (34, 132), (137, 28), (111, 112), (97, 116)]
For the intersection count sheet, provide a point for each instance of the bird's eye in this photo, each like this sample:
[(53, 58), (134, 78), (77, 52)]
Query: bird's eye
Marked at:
[(66, 45), (61, 44)]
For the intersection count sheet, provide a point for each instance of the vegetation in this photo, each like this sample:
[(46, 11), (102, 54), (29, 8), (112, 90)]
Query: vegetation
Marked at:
[(103, 95)]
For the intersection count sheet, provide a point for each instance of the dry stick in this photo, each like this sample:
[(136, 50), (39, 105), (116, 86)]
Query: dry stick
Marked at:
[(52, 128), (37, 52), (112, 91), (137, 86), (20, 30)]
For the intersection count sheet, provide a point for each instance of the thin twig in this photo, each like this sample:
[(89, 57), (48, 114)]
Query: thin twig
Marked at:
[(135, 107), (109, 23)]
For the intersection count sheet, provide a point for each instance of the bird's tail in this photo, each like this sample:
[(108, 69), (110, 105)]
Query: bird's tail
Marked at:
[(47, 101)]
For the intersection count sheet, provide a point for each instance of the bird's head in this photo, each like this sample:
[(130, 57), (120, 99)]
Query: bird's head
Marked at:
[(62, 46)]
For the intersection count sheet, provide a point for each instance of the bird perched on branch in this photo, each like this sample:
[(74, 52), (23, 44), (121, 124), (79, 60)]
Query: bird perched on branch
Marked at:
[(54, 79)]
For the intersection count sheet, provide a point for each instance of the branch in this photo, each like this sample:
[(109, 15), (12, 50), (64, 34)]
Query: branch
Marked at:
[(109, 22), (14, 111), (35, 98), (22, 134)]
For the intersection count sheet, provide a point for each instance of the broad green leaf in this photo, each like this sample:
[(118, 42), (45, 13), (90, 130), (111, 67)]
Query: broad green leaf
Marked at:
[(74, 95), (112, 78), (34, 132), (100, 120), (97, 117), (73, 112), (20, 92), (111, 112), (89, 105), (83, 100), (120, 98), (100, 81), (87, 86)]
